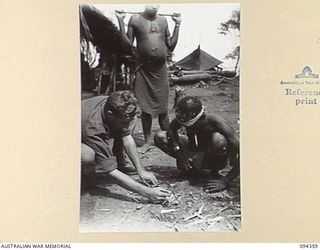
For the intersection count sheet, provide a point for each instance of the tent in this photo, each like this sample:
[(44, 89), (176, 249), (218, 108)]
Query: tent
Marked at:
[(198, 60)]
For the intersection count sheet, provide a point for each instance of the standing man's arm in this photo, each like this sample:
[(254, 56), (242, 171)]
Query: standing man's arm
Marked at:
[(131, 149), (130, 33), (172, 41)]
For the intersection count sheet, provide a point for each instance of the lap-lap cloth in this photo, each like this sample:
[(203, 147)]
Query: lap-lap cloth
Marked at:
[(151, 88)]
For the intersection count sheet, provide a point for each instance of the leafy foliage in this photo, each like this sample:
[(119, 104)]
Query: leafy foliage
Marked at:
[(232, 25), (234, 54)]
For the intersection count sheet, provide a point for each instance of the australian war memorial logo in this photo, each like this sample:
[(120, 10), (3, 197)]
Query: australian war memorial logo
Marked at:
[(304, 89), (307, 73)]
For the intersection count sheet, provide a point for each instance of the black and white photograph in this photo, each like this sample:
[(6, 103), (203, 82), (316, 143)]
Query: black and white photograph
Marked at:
[(160, 122)]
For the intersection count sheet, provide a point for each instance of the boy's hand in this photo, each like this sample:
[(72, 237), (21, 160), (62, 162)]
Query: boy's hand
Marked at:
[(158, 194), (183, 161), (148, 178), (216, 185)]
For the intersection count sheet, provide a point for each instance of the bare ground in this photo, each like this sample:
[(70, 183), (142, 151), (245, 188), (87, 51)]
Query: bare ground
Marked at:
[(110, 208)]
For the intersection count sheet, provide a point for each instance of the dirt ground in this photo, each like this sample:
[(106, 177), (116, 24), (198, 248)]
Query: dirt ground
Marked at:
[(110, 208)]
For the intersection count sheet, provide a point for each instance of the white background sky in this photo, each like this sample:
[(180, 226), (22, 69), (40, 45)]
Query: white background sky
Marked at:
[(200, 23)]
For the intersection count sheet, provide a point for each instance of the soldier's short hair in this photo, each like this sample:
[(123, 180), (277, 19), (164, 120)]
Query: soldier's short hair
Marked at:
[(121, 102)]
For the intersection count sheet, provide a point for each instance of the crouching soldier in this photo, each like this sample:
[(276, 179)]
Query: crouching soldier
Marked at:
[(210, 144), (103, 118)]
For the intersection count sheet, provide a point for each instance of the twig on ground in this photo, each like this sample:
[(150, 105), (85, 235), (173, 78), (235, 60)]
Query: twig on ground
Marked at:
[(171, 200), (197, 214), (155, 215), (218, 82), (216, 219), (222, 210), (135, 199), (228, 194), (231, 225), (193, 197), (211, 222), (105, 209), (234, 216), (166, 211), (145, 151), (176, 228)]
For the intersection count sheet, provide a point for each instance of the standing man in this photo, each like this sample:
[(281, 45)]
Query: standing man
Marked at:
[(151, 85), (103, 118)]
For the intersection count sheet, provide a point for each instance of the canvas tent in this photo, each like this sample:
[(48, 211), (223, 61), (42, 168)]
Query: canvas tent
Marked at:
[(198, 60)]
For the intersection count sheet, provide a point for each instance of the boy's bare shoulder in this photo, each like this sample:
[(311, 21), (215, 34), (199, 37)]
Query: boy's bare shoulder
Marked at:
[(213, 118)]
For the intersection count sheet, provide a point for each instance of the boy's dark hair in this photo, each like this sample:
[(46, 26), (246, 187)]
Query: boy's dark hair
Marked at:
[(121, 102), (188, 108)]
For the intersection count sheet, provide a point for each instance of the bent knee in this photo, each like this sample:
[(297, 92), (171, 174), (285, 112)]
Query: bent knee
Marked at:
[(87, 154), (219, 143), (160, 138)]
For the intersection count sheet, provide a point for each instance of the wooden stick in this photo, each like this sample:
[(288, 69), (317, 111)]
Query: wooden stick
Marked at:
[(221, 210), (232, 225), (166, 211), (234, 216), (197, 214), (133, 12)]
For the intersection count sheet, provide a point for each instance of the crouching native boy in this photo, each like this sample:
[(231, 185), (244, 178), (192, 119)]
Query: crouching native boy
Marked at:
[(210, 144), (103, 118)]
